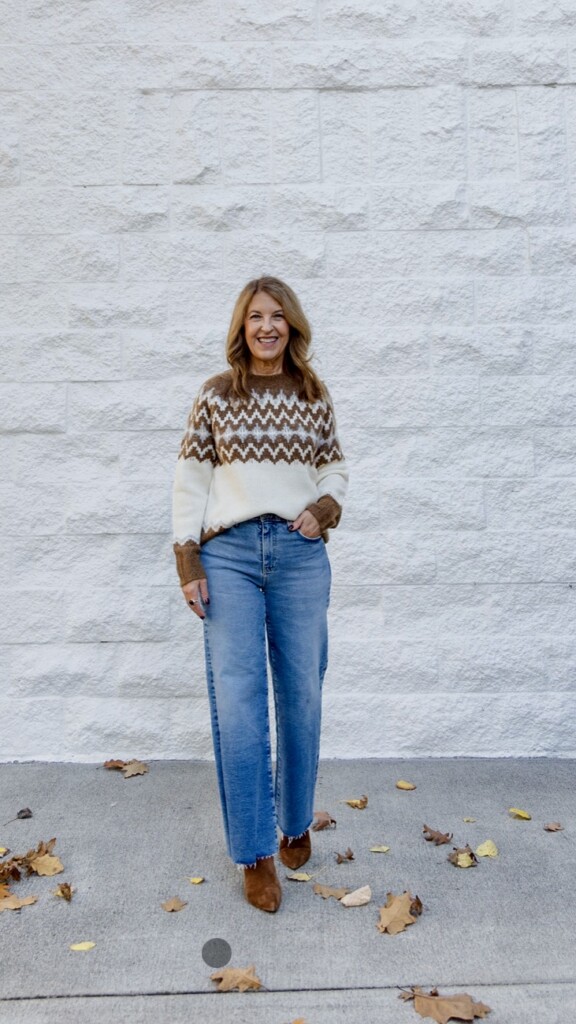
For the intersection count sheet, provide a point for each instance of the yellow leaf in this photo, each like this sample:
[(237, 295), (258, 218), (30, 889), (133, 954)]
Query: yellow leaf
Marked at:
[(402, 784), (14, 902), (47, 865), (379, 849), (81, 947), (517, 813), (196, 881), (3, 850), (359, 804), (487, 849), (468, 819), (173, 905), (299, 876)]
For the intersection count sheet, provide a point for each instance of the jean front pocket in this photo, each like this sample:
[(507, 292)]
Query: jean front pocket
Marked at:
[(304, 537)]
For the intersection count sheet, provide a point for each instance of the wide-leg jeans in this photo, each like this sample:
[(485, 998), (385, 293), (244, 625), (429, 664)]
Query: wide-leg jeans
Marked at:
[(269, 591)]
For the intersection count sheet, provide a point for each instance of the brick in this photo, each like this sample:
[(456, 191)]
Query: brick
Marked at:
[(514, 62), (122, 613), (132, 208), (500, 557), (535, 505), (283, 253), (445, 253), (146, 142), (295, 143), (517, 401), (97, 729), (147, 21), (230, 65), (31, 616), (542, 134), (557, 558), (333, 208), (222, 209), (249, 19), (372, 19), (183, 256), (344, 136), (493, 137), (538, 16), (395, 134), (484, 661), (416, 206), (494, 349), (417, 63), (32, 407), (69, 258), (31, 306), (432, 505), (9, 271), (555, 451), (536, 299), (46, 138), (443, 132), (496, 204), (468, 451), (322, 65), (88, 513), (197, 353), (60, 355), (110, 306), (396, 301), (29, 210), (9, 140), (95, 139), (457, 17), (433, 402), (44, 720), (72, 21), (197, 139), (127, 405), (552, 250), (246, 138)]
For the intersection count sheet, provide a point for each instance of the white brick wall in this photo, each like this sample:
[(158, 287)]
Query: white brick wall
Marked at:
[(409, 167)]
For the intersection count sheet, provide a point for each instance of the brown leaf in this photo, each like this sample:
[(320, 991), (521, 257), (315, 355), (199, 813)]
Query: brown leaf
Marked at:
[(10, 871), (24, 813), (342, 857), (325, 891), (65, 891), (463, 857), (437, 838), (47, 865), (14, 902), (241, 978), (4, 892), (115, 765), (134, 768), (358, 803), (322, 819), (554, 826), (445, 1008), (174, 904), (398, 913), (416, 907)]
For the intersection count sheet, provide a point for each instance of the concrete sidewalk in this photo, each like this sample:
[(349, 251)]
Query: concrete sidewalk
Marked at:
[(504, 931)]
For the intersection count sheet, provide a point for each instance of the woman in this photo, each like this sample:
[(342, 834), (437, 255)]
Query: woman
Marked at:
[(260, 478)]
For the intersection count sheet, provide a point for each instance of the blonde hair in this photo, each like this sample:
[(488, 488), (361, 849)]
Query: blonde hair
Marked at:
[(296, 358)]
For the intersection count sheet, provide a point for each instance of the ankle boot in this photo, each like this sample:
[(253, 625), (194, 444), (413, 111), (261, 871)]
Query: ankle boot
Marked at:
[(295, 852), (261, 886)]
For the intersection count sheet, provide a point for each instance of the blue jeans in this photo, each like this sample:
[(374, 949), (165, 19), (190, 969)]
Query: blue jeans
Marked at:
[(269, 592)]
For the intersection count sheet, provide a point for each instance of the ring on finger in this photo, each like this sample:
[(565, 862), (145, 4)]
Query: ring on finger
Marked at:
[(191, 602)]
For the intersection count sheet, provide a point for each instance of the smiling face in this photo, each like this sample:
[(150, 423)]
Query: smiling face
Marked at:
[(267, 334)]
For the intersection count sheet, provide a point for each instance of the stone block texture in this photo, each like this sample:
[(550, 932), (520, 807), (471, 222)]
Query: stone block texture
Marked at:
[(409, 167)]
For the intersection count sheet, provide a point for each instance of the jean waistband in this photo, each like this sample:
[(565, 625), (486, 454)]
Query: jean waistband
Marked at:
[(268, 517)]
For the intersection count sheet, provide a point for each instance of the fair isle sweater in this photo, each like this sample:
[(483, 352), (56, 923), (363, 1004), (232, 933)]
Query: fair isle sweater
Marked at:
[(274, 452)]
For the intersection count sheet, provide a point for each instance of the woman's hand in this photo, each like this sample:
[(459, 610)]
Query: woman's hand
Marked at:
[(307, 524), (193, 592)]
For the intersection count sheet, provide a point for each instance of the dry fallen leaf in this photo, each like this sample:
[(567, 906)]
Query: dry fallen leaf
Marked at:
[(173, 905), (398, 913), (134, 768), (325, 891), (115, 765), (65, 891), (299, 876), (379, 849), (438, 838), (517, 813), (81, 947), (197, 880), (463, 857), (358, 803), (468, 819), (4, 891), (3, 851), (487, 849), (14, 902), (47, 865), (24, 813), (445, 1008), (402, 784), (554, 826), (241, 978), (358, 898), (341, 858), (322, 819)]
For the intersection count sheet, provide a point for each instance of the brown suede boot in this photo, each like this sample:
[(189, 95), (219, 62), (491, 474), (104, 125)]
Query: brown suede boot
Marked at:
[(295, 852), (261, 886)]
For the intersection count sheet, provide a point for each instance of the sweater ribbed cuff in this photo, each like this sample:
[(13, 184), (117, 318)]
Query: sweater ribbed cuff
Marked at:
[(327, 511), (188, 564)]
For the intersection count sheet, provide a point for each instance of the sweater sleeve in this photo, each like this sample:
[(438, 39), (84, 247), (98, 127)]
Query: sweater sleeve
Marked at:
[(332, 472), (192, 480)]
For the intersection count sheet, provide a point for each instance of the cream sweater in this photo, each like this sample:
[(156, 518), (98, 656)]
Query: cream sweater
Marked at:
[(274, 452)]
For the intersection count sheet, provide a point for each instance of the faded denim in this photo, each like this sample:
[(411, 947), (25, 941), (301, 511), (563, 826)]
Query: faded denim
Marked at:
[(269, 592)]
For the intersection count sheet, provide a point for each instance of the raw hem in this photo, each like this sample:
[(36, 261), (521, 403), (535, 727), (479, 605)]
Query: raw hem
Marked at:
[(292, 838), (265, 856)]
